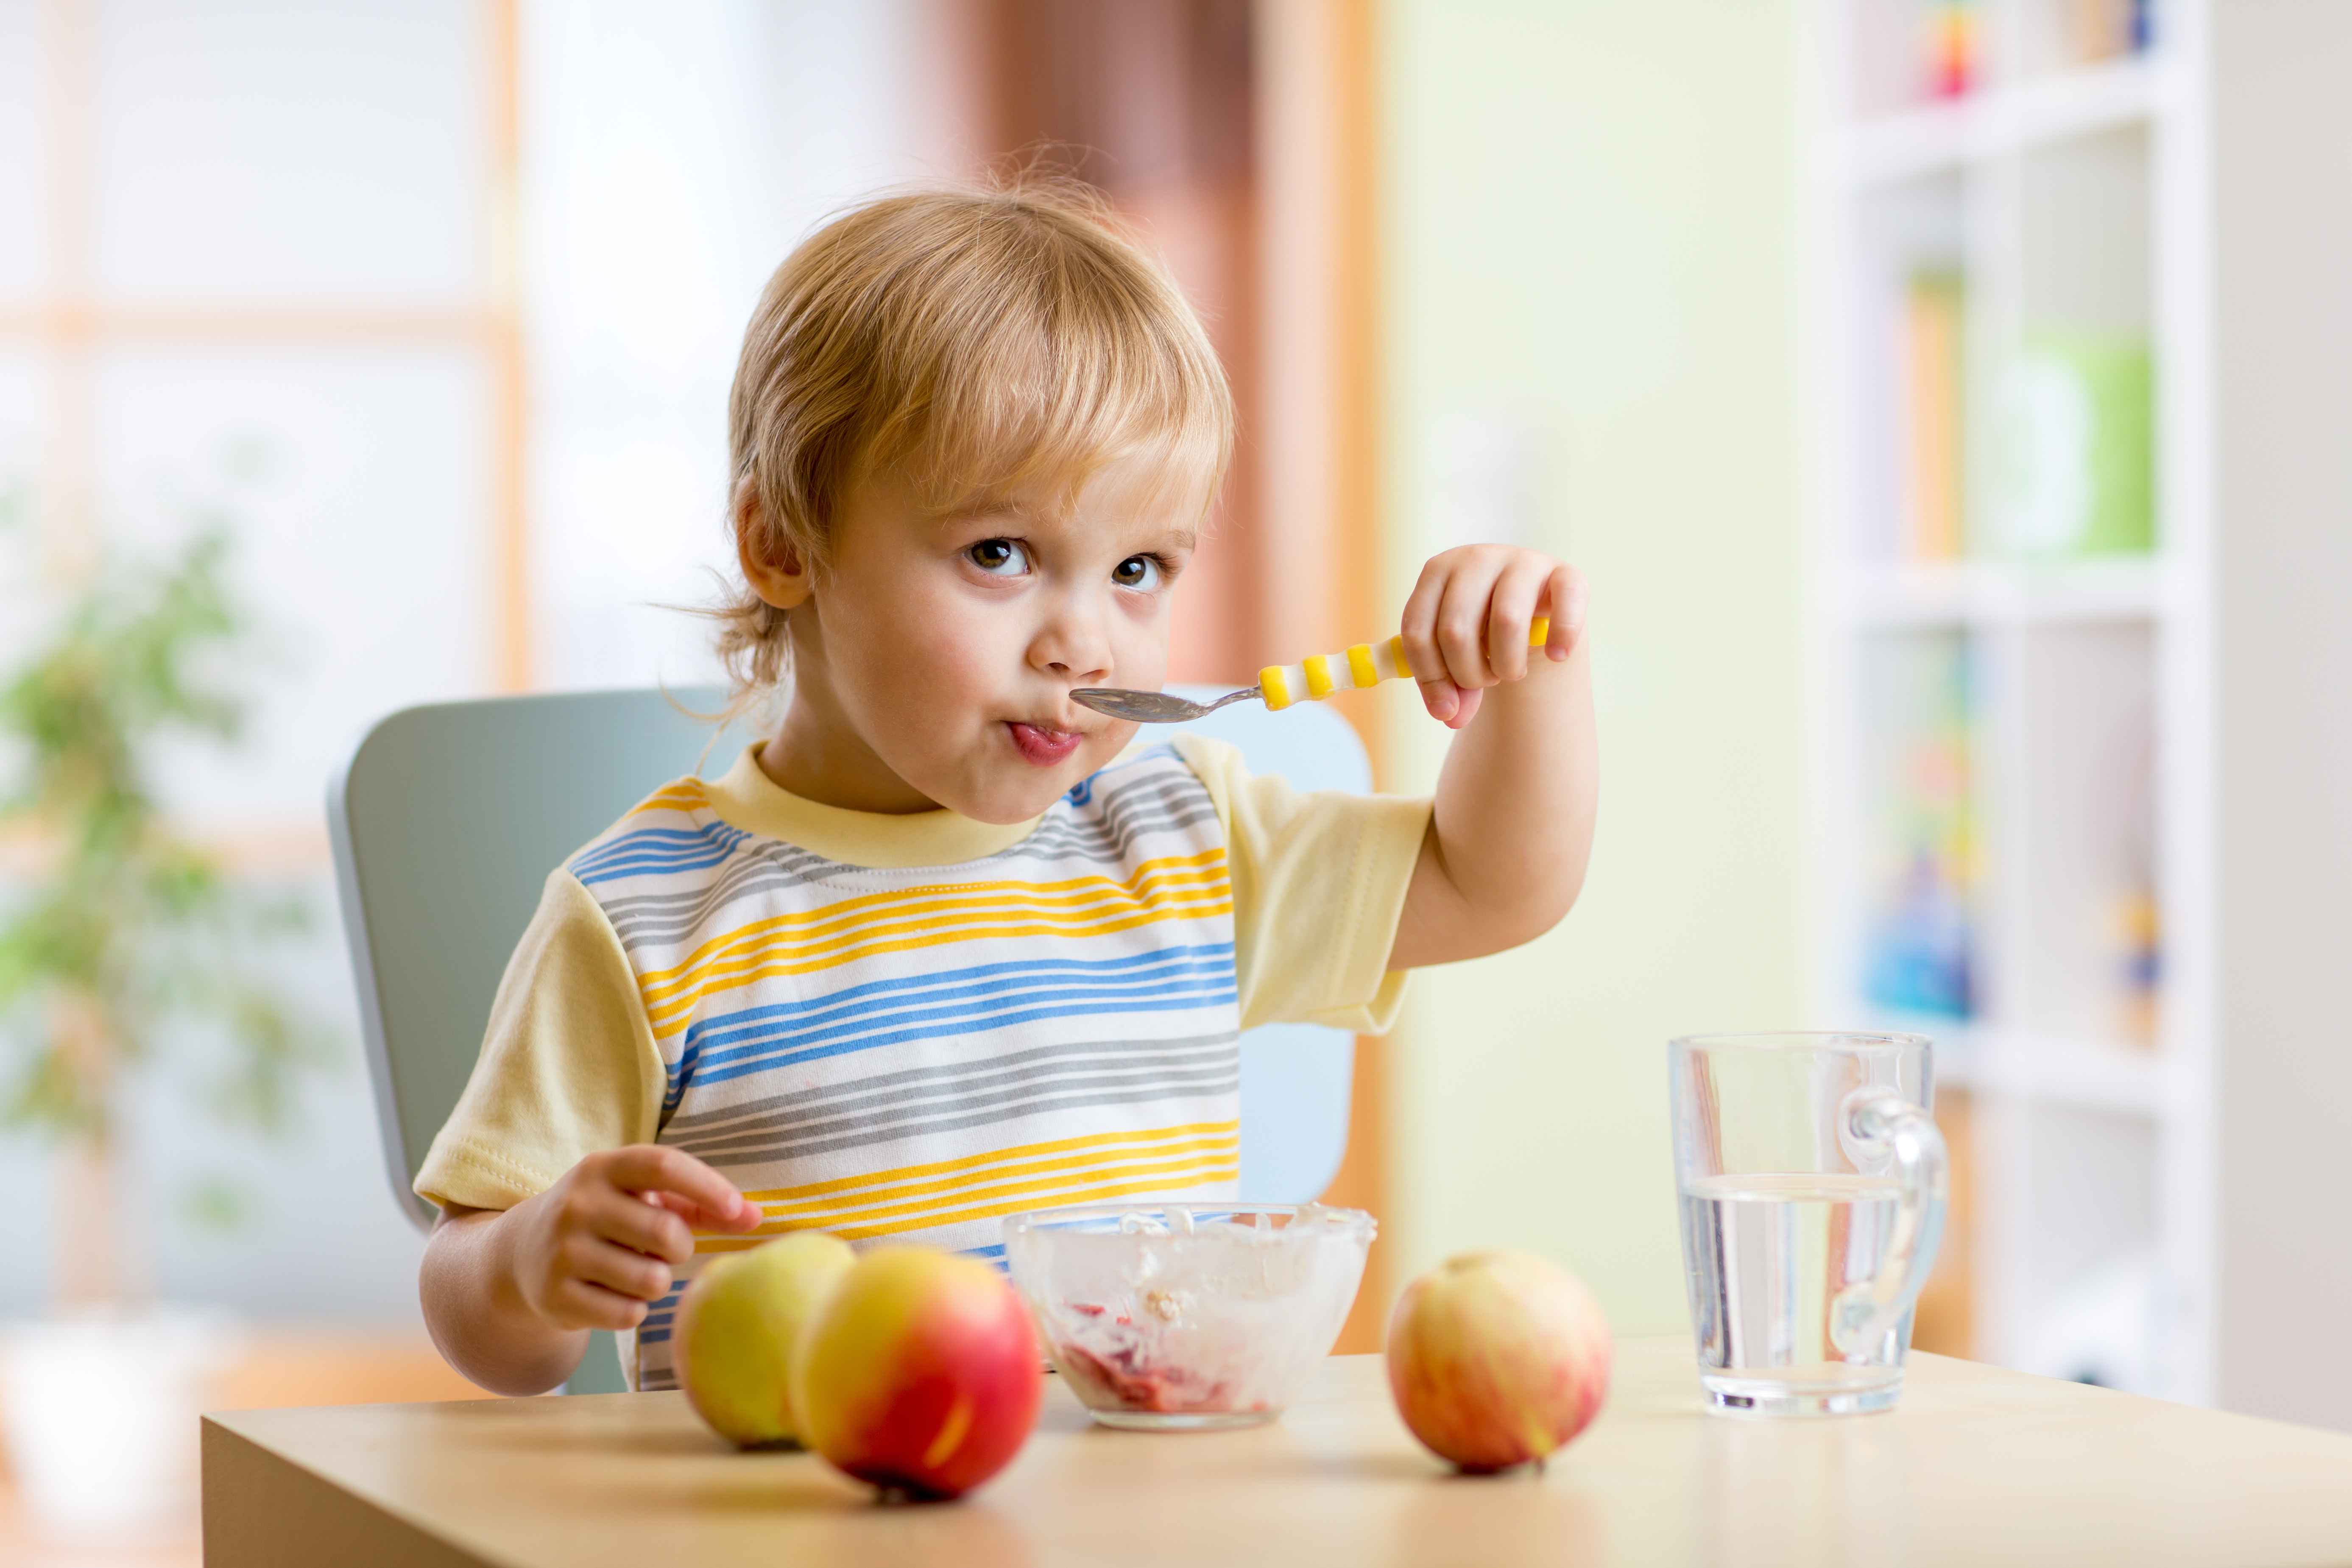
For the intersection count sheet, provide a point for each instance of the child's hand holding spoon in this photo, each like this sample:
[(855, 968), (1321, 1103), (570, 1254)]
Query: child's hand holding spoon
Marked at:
[(1470, 623)]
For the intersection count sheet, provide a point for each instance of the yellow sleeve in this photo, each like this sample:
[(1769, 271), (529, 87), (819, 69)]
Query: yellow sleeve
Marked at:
[(1318, 882), (568, 1064)]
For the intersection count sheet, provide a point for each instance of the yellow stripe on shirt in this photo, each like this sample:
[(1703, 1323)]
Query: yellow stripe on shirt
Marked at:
[(1188, 1134), (903, 902), (1213, 1170), (1045, 1174), (686, 795), (1163, 895), (1183, 1170), (1034, 1176)]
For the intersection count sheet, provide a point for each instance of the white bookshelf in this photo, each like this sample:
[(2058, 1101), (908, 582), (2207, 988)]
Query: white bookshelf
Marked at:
[(2070, 195)]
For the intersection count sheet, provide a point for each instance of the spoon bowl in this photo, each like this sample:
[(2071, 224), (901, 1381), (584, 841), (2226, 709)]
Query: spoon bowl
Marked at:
[(1152, 707)]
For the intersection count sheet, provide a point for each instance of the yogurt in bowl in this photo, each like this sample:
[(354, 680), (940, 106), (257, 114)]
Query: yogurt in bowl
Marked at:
[(1195, 1316)]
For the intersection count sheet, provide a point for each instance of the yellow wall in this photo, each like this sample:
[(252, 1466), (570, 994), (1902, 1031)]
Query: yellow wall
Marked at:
[(1588, 220)]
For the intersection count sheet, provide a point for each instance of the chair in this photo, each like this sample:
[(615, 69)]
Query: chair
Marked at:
[(446, 819)]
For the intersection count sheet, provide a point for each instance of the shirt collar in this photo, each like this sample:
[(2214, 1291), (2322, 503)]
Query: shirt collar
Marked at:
[(749, 799)]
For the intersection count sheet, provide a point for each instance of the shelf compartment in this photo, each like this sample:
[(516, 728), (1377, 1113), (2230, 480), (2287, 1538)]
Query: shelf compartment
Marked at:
[(1909, 365), (2082, 933), (1918, 929)]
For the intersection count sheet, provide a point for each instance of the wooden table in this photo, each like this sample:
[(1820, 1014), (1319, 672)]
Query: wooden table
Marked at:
[(1976, 1465)]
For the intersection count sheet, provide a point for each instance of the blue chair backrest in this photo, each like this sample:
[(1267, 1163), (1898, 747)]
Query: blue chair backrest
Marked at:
[(446, 819)]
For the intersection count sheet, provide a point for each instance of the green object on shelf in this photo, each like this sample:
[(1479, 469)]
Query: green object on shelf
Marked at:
[(2077, 447)]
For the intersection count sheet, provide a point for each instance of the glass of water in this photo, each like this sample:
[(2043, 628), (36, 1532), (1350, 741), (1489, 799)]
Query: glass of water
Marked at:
[(1812, 1184)]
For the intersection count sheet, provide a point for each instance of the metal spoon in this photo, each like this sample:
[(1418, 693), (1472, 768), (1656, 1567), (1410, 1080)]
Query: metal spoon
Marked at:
[(1153, 706), (1278, 686)]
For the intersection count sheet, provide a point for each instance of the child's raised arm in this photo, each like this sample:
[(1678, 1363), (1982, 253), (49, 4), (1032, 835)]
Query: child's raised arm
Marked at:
[(1512, 829)]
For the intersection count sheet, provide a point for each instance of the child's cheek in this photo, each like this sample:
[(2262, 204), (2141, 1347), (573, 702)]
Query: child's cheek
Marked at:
[(1139, 653), (928, 631), (948, 676)]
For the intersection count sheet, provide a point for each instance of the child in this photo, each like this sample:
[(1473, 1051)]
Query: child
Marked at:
[(946, 947)]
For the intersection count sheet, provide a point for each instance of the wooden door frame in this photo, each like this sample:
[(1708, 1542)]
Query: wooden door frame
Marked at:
[(1320, 412)]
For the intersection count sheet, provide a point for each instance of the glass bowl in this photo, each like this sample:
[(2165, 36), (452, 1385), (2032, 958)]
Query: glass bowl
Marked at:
[(1188, 1316)]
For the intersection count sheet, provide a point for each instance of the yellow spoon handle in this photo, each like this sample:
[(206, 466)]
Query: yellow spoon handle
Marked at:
[(1366, 664)]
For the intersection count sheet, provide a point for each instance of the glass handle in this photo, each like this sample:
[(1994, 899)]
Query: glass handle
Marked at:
[(1878, 1128)]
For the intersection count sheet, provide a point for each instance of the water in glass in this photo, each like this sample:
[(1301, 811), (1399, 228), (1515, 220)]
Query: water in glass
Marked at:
[(1769, 1256)]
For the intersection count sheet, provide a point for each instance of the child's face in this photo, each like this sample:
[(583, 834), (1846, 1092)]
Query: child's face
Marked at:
[(934, 659)]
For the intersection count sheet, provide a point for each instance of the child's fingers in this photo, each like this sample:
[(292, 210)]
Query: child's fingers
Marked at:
[(651, 1168), (1417, 627), (697, 1216), (1567, 596), (1462, 628), (622, 1270), (636, 1222), (1509, 613), (577, 1304), (1464, 625)]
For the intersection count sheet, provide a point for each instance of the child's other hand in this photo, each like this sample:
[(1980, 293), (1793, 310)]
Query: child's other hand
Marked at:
[(598, 1245), (1465, 623)]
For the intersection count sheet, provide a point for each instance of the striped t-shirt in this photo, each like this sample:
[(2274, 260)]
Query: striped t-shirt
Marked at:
[(907, 1027)]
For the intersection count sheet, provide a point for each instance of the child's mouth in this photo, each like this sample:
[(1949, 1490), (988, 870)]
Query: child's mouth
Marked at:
[(1042, 746)]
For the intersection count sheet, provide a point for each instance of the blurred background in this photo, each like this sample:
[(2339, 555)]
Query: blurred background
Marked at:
[(1937, 393)]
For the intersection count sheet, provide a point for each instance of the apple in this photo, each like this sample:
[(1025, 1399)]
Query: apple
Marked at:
[(921, 1372), (1498, 1359), (739, 1324)]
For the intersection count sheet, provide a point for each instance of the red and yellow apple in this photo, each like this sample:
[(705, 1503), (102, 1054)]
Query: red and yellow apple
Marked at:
[(739, 1323), (919, 1374), (1498, 1359)]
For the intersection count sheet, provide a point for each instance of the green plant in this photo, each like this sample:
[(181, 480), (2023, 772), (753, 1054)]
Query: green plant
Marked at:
[(119, 935)]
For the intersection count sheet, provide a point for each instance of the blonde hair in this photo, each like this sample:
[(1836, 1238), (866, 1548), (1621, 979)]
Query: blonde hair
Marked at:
[(989, 343)]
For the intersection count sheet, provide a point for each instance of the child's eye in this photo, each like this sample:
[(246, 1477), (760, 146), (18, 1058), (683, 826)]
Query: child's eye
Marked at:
[(998, 557), (1137, 572)]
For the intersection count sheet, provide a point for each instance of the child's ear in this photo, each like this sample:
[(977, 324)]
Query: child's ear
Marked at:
[(776, 570)]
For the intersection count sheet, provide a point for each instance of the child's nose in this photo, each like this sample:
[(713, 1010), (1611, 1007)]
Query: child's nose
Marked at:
[(1079, 669), (1073, 647)]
